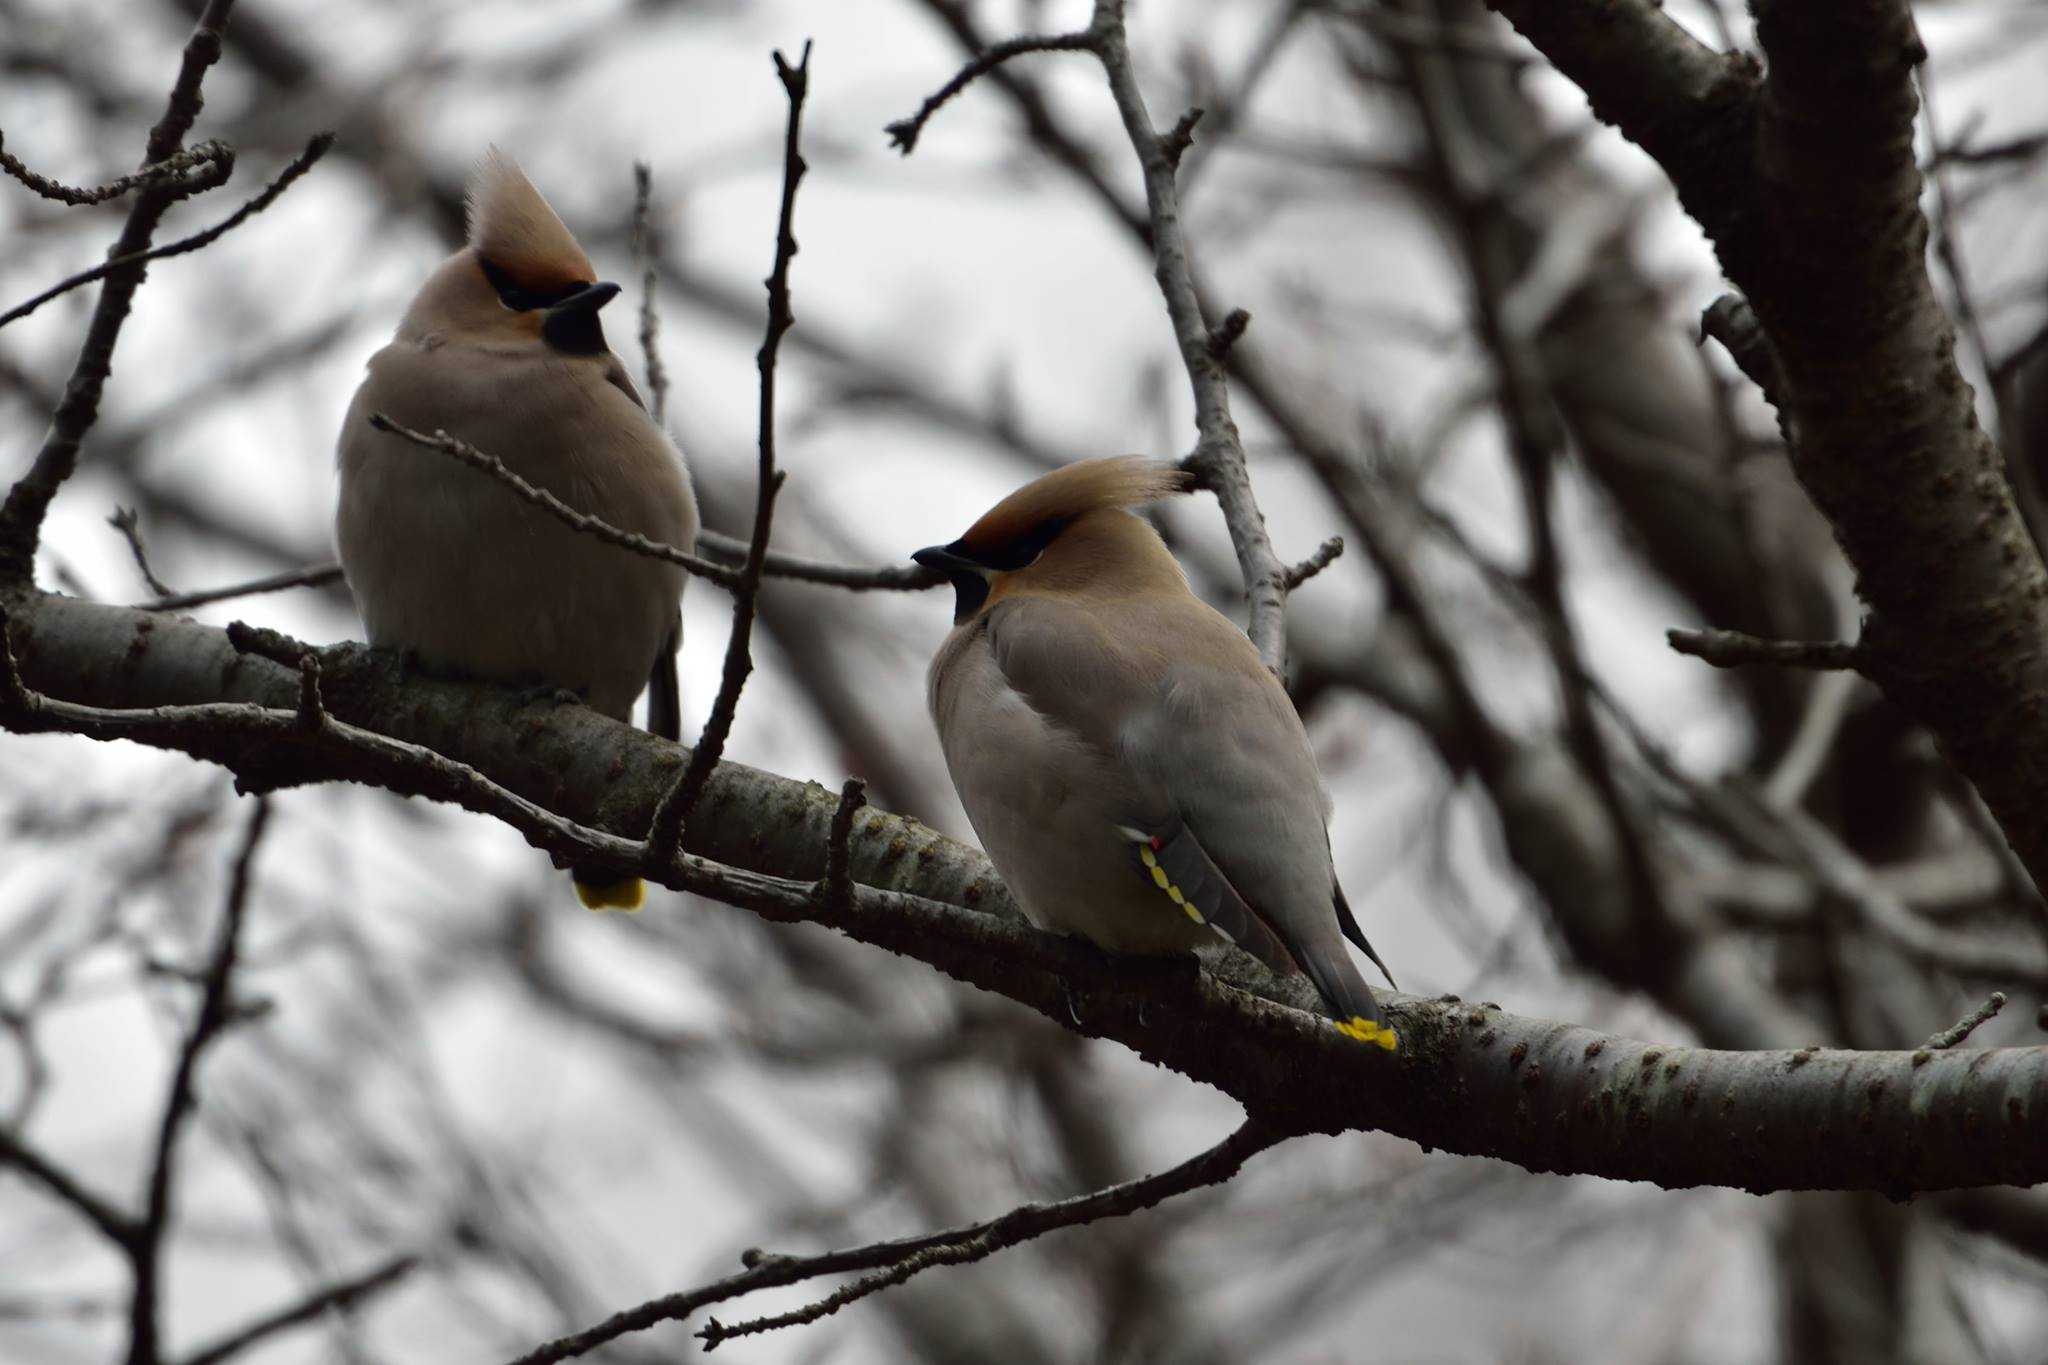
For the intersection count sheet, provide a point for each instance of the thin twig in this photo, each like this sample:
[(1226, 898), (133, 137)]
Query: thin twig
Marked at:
[(341, 1294), (835, 888), (1733, 649), (1730, 321), (581, 521), (1176, 143), (665, 830), (1211, 1167), (312, 712), (318, 576), (647, 250), (1325, 555), (269, 195), (129, 525), (904, 132), (213, 1015), (1967, 1025), (211, 153), (116, 1226), (904, 578), (21, 516)]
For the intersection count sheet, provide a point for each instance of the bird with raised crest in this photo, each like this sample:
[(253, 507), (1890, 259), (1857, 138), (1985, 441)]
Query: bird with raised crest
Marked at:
[(502, 348), (1133, 769)]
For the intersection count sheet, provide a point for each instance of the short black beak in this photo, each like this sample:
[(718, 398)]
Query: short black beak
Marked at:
[(588, 299), (942, 558)]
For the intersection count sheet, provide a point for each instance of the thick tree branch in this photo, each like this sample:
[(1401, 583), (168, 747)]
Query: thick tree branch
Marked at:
[(1806, 182), (1547, 1096)]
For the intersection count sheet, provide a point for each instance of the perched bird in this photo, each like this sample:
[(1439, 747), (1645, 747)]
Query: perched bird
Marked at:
[(1134, 771), (502, 348)]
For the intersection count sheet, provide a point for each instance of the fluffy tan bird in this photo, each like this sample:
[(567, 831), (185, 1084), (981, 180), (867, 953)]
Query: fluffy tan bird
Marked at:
[(1133, 769), (502, 348)]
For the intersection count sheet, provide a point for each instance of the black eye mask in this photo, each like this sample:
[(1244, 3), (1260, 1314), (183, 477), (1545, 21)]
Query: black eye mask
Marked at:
[(518, 298), (968, 572), (573, 331)]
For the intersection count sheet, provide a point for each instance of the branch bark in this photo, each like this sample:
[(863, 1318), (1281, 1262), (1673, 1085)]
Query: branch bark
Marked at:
[(1547, 1096), (1805, 180)]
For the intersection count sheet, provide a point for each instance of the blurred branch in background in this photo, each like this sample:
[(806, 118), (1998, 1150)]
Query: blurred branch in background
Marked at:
[(1472, 358)]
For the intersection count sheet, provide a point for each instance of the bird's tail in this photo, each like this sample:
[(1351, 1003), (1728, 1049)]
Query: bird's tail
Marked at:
[(607, 891)]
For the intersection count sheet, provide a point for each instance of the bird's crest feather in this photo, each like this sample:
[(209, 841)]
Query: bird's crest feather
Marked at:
[(512, 227), (1069, 492)]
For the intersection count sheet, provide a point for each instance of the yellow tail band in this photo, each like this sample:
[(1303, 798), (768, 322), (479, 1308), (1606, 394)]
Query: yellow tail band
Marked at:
[(1367, 1031), (624, 894)]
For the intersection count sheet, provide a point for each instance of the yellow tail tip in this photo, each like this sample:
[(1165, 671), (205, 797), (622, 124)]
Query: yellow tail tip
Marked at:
[(1368, 1031), (624, 894)]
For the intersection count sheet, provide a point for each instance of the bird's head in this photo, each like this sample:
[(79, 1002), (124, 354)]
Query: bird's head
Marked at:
[(1065, 532), (521, 279)]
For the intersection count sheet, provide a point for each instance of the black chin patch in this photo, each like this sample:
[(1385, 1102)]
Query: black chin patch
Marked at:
[(970, 590), (575, 331)]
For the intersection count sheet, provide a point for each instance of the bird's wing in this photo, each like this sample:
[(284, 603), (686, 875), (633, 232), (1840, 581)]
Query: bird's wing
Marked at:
[(1233, 816)]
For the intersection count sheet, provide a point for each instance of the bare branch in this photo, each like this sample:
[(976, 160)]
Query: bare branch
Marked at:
[(903, 578), (213, 1015), (835, 888), (269, 195), (116, 1226), (21, 516), (1731, 321), (1733, 649), (1325, 555), (125, 521), (647, 250), (908, 1256), (674, 811), (1968, 1024), (318, 576), (965, 1245), (341, 1294), (904, 132), (209, 154), (723, 552), (1218, 460), (1175, 145), (1546, 1095), (561, 511)]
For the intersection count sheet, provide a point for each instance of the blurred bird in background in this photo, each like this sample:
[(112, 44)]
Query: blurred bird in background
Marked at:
[(1136, 773), (502, 348)]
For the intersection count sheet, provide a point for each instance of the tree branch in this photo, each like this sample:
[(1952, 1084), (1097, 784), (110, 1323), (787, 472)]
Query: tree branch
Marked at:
[(1805, 180), (21, 516), (899, 1260), (674, 811), (210, 153), (589, 525), (146, 1248), (1547, 1096), (269, 195), (1733, 649), (341, 1294)]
